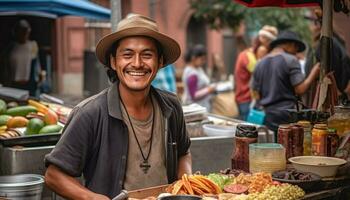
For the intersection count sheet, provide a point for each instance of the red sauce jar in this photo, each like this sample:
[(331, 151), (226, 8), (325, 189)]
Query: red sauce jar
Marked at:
[(245, 135)]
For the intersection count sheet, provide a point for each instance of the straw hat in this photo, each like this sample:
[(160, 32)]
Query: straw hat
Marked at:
[(288, 36), (138, 25)]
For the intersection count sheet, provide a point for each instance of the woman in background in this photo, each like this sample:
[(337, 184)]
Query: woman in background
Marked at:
[(197, 87)]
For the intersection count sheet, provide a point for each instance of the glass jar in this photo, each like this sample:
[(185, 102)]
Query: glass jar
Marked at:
[(319, 140), (245, 135), (307, 136), (340, 120), (266, 157)]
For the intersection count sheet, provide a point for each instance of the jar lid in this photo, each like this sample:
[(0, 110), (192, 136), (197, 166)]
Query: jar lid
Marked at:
[(321, 126), (304, 123), (244, 130), (284, 126), (265, 146)]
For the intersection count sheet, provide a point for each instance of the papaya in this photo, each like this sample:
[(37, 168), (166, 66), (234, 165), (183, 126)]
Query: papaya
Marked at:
[(50, 129), (21, 110), (4, 119), (3, 106), (50, 117), (17, 121), (34, 126)]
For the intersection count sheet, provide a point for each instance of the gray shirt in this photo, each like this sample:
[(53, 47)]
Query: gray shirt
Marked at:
[(95, 141), (274, 78)]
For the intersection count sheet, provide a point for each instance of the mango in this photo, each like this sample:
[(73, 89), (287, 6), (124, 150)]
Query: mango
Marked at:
[(34, 126), (16, 122), (51, 129), (4, 119), (50, 117), (3, 106)]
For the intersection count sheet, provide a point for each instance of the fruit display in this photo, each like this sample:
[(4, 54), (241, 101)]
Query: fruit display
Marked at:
[(20, 120)]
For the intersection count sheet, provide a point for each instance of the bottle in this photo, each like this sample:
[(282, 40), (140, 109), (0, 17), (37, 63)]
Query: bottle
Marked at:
[(297, 140), (319, 140), (332, 142), (307, 137), (245, 135)]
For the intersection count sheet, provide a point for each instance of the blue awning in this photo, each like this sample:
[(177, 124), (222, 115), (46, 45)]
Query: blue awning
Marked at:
[(57, 7)]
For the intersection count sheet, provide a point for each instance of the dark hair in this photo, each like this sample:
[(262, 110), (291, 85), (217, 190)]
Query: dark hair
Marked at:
[(196, 51), (21, 25), (111, 73)]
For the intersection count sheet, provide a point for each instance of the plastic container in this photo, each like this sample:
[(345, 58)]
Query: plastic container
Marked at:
[(219, 130), (21, 187), (267, 157)]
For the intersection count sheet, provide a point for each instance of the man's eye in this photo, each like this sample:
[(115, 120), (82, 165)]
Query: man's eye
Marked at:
[(147, 55), (127, 55)]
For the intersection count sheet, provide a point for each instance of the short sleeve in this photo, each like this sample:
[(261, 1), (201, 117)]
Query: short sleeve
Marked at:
[(183, 139), (295, 74), (70, 153)]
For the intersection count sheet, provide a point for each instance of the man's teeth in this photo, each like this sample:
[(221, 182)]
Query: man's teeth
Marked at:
[(137, 73)]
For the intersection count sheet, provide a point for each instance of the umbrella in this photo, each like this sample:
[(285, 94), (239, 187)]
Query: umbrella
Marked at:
[(279, 3), (325, 92)]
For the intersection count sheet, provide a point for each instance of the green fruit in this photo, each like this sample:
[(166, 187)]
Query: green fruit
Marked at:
[(3, 106), (51, 129), (21, 110), (34, 126), (4, 119)]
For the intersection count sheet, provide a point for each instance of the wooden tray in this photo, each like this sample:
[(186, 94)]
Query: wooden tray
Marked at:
[(147, 192)]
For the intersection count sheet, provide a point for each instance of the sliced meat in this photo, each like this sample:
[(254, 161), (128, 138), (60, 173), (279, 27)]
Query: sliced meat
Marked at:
[(236, 188)]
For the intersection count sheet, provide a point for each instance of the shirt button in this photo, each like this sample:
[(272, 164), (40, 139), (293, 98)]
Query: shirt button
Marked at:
[(120, 182), (124, 157)]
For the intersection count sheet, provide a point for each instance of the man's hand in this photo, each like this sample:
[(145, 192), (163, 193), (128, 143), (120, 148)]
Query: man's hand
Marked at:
[(67, 186)]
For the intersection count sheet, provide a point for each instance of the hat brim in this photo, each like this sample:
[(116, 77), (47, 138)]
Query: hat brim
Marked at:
[(171, 49), (300, 44)]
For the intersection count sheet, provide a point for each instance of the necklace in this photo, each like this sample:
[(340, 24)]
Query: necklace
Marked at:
[(143, 165)]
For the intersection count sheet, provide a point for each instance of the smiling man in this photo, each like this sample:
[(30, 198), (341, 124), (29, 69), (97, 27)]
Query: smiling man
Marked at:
[(131, 135)]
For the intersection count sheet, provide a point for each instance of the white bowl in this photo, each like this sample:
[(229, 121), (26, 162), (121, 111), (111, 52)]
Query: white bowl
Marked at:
[(218, 130), (323, 166)]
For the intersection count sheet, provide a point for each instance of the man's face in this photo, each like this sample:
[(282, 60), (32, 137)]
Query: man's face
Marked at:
[(136, 62), (291, 48)]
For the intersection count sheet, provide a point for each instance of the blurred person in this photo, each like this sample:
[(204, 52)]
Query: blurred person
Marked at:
[(245, 65), (197, 87), (265, 36), (277, 79), (165, 79), (22, 64)]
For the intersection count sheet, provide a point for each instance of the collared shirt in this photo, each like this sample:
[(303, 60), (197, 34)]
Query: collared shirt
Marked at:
[(95, 141), (165, 79)]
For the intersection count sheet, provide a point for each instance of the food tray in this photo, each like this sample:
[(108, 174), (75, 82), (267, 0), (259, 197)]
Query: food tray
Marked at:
[(31, 140)]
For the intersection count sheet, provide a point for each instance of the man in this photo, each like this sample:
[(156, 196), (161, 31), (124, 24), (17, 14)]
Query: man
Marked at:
[(130, 135), (277, 79), (20, 66)]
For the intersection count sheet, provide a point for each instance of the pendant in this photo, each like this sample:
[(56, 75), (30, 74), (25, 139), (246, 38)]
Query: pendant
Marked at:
[(145, 166)]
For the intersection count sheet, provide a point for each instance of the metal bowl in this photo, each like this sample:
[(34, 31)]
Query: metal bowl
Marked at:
[(21, 187), (180, 197), (306, 185)]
